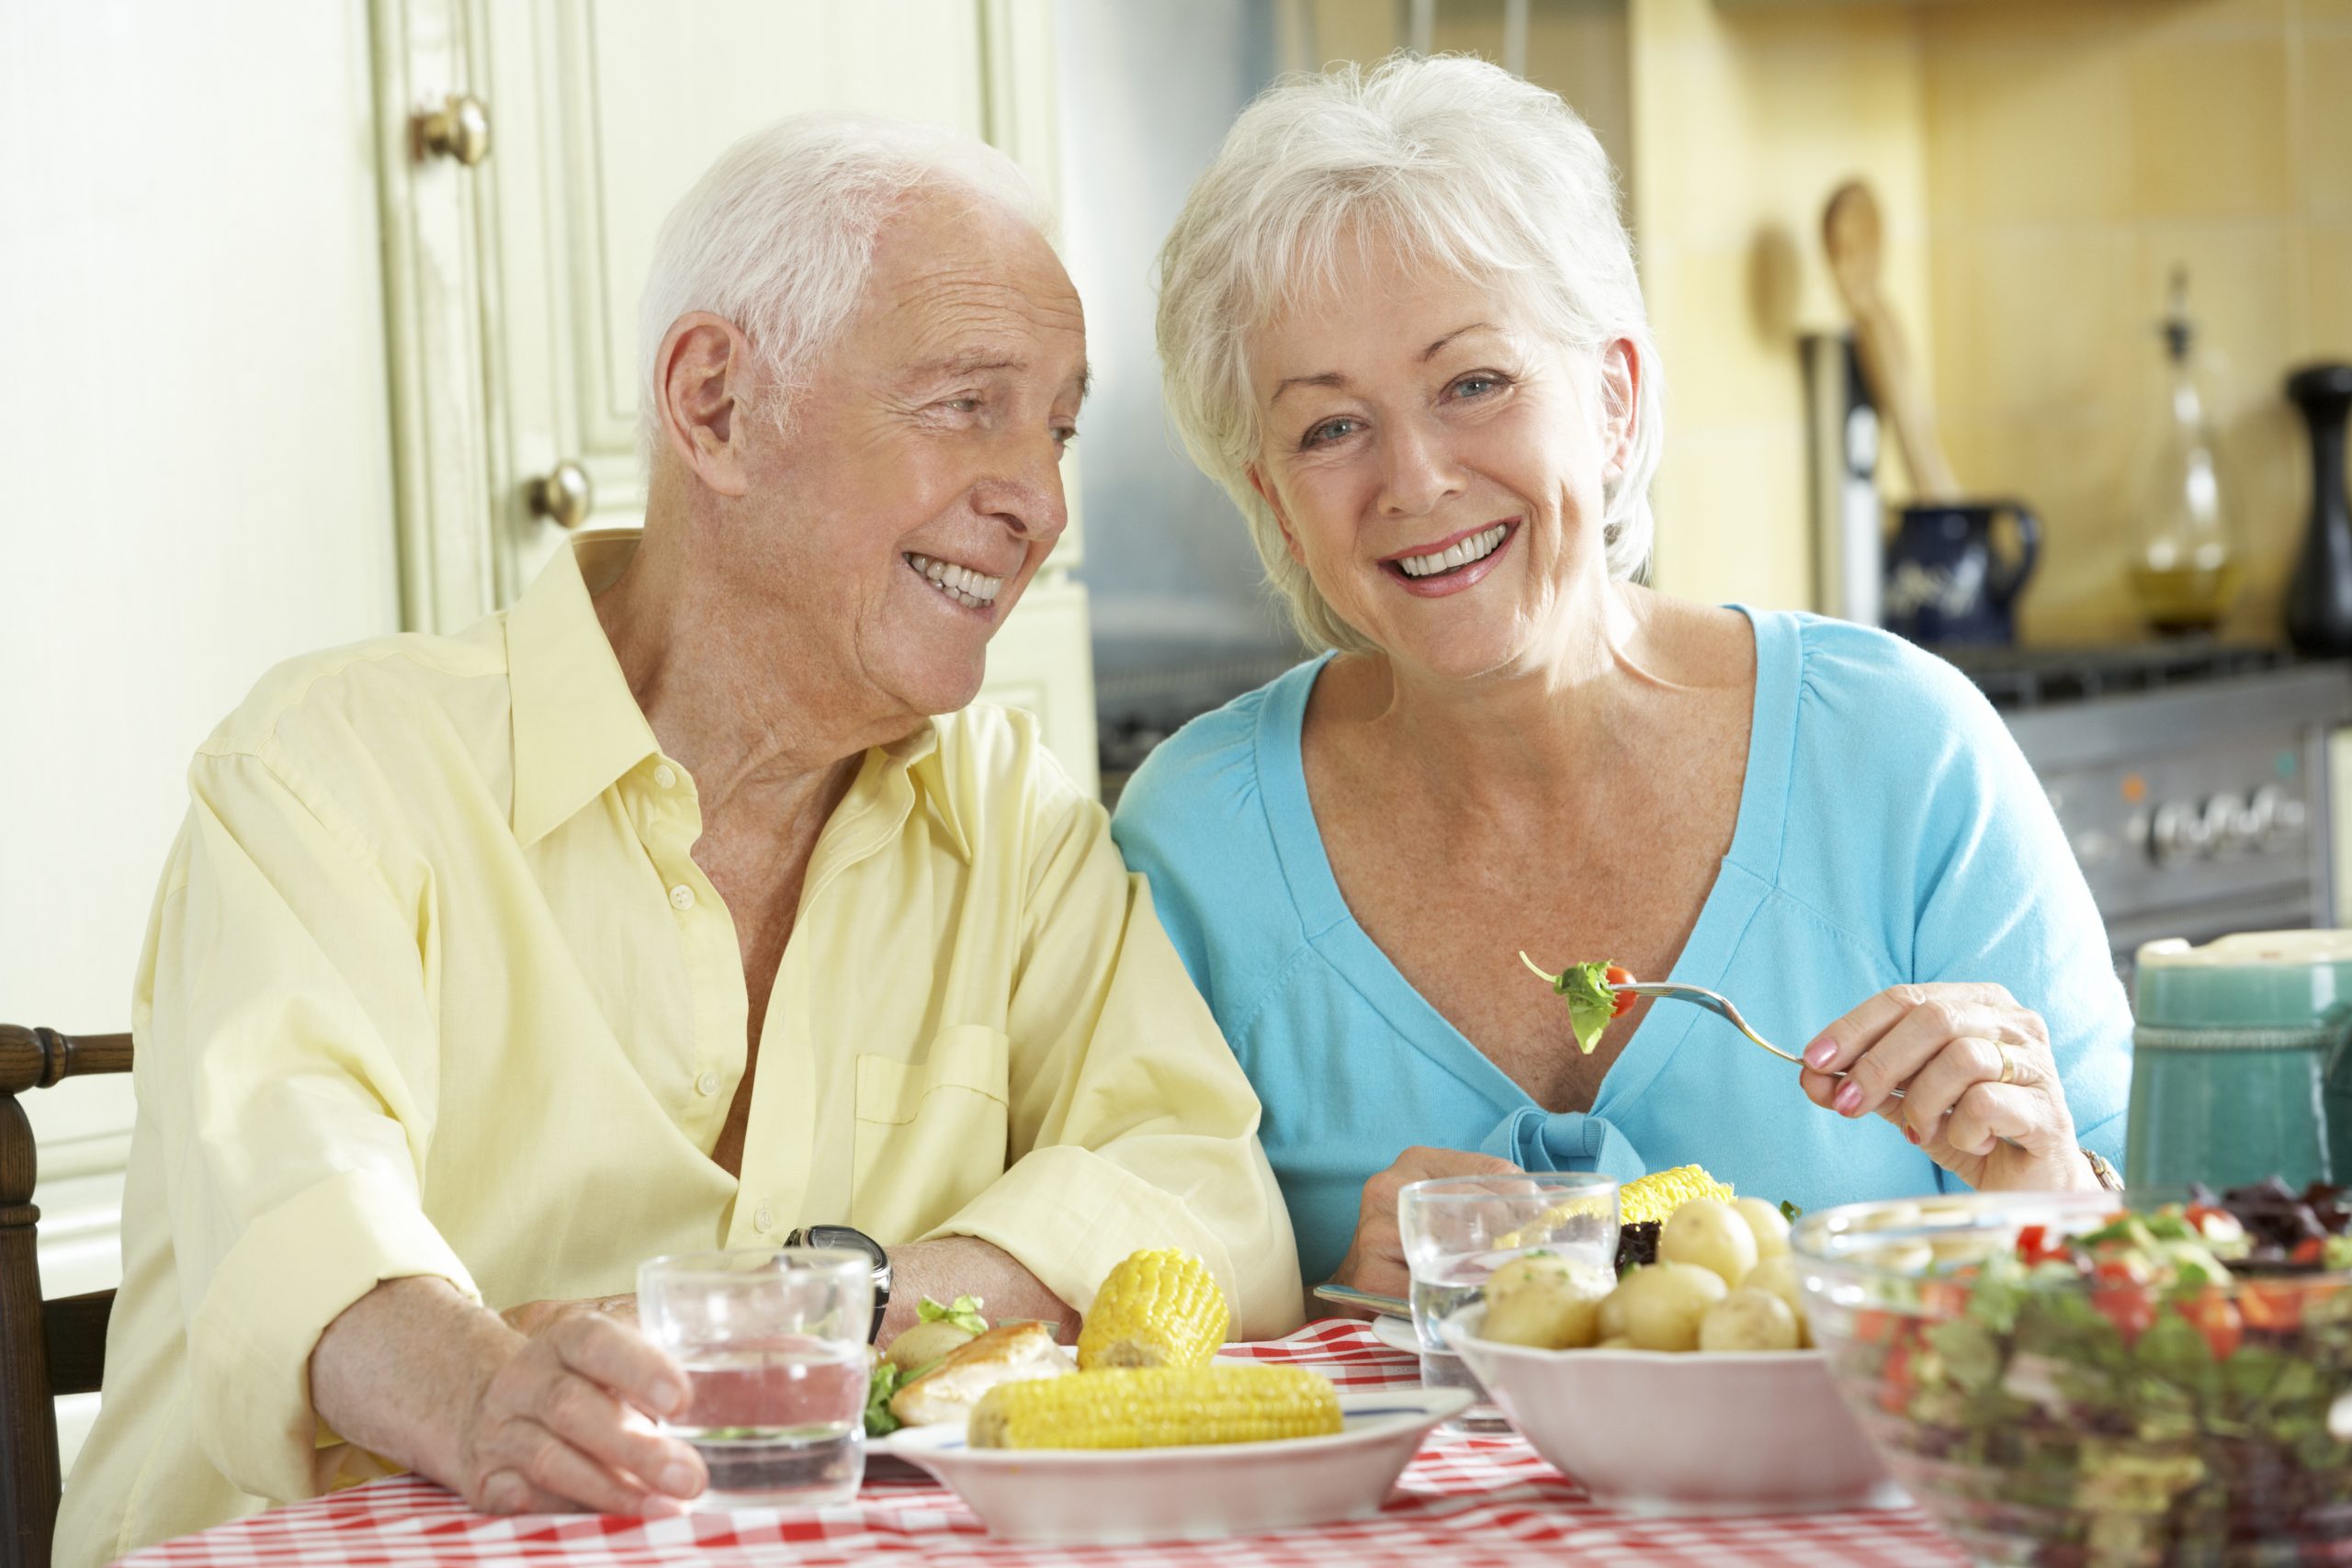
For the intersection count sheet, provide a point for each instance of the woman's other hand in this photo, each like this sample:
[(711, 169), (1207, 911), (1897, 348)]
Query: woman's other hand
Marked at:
[(1375, 1260), (1980, 1086)]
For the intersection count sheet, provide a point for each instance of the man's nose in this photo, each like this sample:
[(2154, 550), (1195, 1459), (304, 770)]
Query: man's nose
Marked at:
[(1024, 489), (1419, 473)]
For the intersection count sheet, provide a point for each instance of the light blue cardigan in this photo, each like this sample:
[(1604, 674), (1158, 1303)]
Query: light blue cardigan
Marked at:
[(1888, 831)]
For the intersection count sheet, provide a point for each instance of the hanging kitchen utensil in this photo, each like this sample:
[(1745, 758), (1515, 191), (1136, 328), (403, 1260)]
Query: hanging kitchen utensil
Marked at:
[(1852, 234)]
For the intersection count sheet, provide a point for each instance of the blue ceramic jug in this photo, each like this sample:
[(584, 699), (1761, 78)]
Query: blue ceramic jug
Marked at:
[(1947, 579)]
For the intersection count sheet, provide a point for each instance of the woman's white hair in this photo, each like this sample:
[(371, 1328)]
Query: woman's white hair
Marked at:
[(1449, 160), (778, 236)]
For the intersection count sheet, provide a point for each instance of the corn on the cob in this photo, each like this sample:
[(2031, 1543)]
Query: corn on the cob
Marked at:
[(1658, 1194), (1151, 1407), (1157, 1309)]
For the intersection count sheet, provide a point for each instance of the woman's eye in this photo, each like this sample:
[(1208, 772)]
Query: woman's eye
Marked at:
[(1478, 384), (1330, 430), (1064, 436)]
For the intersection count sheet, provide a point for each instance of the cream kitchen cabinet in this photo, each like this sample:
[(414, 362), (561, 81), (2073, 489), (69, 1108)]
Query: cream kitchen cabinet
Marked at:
[(527, 263)]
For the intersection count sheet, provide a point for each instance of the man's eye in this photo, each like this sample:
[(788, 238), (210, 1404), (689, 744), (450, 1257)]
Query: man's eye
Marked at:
[(1065, 435), (1330, 430), (963, 405)]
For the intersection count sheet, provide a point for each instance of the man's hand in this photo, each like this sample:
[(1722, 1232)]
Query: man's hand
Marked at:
[(1375, 1260), (536, 1318), (548, 1422), (956, 1266)]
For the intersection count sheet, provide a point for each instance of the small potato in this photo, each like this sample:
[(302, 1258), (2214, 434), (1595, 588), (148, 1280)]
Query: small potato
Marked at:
[(1609, 1322), (1713, 1235), (1779, 1275), (1667, 1303), (1748, 1320), (1765, 1219), (1544, 1300), (926, 1343)]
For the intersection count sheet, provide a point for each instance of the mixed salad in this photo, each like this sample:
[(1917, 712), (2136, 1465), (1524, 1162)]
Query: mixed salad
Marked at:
[(2155, 1389), (1591, 1004)]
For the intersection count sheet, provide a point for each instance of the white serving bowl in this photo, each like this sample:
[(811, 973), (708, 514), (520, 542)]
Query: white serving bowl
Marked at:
[(1716, 1432), (1128, 1496)]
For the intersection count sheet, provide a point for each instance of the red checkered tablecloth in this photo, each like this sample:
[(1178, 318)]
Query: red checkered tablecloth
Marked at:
[(1464, 1502)]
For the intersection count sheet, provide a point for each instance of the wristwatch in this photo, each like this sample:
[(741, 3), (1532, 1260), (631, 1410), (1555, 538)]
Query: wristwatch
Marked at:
[(848, 1240), (2104, 1172)]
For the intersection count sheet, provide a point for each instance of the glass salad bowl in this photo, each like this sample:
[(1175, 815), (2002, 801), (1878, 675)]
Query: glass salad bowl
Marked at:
[(2099, 1380)]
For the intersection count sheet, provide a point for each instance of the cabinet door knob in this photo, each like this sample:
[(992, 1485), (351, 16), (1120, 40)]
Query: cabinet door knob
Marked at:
[(460, 129), (561, 496)]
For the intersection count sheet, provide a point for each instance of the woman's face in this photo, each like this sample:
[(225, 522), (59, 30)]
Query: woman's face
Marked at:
[(1436, 463)]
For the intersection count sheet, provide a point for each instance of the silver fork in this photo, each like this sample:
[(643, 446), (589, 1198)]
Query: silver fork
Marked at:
[(1698, 996), (1720, 1005)]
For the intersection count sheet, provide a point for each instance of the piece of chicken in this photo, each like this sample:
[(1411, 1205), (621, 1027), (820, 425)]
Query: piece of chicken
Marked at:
[(1011, 1352)]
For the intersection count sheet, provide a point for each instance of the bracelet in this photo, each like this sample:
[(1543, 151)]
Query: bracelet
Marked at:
[(2104, 1172)]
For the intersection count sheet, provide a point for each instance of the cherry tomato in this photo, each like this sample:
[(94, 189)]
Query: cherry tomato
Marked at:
[(1894, 1390), (2274, 1305), (1618, 975), (2123, 1299), (2308, 1250), (2034, 1245), (2216, 1317)]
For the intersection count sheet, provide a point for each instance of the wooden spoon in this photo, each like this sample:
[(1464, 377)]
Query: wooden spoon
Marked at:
[(1851, 233)]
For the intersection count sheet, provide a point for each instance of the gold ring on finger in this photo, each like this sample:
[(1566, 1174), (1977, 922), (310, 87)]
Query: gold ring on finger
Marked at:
[(2008, 1063)]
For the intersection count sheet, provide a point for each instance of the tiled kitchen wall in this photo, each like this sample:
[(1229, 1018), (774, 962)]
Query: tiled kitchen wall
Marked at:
[(1745, 120), (2077, 152)]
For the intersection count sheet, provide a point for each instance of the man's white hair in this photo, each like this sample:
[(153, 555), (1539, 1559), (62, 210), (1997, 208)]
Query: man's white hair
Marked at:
[(1451, 161), (777, 237)]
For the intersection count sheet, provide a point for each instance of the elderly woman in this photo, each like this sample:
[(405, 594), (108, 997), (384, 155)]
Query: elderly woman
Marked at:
[(658, 914), (1399, 321)]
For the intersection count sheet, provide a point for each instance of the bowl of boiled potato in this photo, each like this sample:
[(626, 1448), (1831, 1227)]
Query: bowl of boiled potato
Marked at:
[(1686, 1385)]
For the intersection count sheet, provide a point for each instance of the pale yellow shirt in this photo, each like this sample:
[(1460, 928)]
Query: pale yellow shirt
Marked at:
[(434, 986)]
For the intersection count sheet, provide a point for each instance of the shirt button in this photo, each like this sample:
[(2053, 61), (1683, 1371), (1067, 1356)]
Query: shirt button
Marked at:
[(682, 896), (763, 1219), (665, 775), (707, 1084)]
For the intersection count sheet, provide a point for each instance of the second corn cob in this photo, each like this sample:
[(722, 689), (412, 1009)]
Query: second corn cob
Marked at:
[(1157, 1309)]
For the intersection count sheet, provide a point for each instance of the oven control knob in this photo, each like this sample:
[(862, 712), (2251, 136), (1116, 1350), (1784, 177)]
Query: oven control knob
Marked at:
[(2176, 833), (2262, 812), (2229, 824)]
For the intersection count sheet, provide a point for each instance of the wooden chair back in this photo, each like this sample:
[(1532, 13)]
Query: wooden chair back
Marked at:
[(47, 1348)]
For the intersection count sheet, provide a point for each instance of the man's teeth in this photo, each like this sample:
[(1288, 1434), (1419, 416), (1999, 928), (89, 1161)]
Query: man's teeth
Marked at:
[(1478, 547), (961, 584)]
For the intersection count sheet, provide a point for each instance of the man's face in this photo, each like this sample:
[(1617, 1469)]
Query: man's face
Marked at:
[(920, 487)]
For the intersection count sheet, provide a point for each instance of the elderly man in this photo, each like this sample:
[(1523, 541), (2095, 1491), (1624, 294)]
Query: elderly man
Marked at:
[(658, 914)]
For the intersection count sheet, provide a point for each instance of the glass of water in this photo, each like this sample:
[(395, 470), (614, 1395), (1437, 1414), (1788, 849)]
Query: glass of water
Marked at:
[(772, 1341), (1459, 1229)]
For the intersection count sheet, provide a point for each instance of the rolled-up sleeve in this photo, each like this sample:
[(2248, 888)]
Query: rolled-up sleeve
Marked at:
[(286, 1062), (1131, 1123)]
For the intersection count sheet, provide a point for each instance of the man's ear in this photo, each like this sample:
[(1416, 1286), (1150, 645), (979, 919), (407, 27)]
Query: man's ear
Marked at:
[(703, 376), (1621, 389), (1274, 504)]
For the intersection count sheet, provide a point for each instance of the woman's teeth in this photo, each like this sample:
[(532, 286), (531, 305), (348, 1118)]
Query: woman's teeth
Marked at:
[(1478, 547), (961, 584)]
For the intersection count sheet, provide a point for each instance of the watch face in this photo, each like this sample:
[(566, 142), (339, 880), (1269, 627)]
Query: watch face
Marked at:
[(848, 1240)]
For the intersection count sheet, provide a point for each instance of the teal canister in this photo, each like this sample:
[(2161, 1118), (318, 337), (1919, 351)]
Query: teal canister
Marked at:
[(2242, 1061)]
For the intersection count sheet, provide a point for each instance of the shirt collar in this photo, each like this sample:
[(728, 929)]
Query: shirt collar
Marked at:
[(578, 727)]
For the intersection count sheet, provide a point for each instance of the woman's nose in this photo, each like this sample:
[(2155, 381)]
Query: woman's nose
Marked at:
[(1419, 472)]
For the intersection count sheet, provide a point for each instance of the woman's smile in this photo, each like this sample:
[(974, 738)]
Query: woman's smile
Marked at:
[(1452, 564)]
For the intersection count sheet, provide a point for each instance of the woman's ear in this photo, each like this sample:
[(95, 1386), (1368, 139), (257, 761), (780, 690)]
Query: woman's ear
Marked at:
[(1621, 388), (1274, 504), (703, 376)]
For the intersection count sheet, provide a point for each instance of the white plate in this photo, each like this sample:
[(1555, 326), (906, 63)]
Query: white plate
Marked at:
[(1396, 1332), (1122, 1496), (1711, 1432)]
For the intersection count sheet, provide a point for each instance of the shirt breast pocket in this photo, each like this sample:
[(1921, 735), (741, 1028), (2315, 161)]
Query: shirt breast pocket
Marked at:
[(930, 1134)]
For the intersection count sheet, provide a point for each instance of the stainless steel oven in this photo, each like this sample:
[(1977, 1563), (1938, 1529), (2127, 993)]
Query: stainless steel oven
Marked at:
[(2195, 782)]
